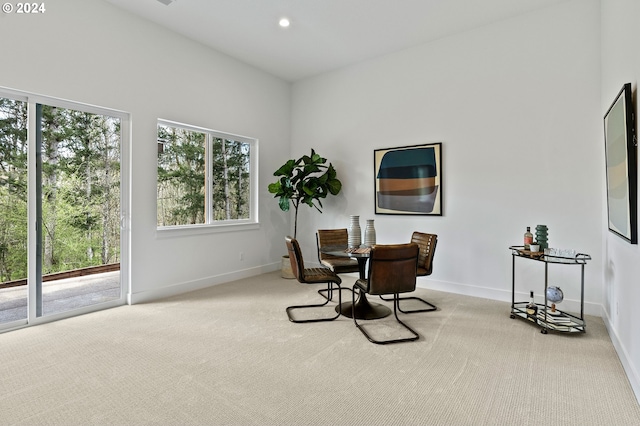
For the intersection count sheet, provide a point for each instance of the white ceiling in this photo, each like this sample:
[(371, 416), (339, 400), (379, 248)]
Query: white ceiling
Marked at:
[(324, 34)]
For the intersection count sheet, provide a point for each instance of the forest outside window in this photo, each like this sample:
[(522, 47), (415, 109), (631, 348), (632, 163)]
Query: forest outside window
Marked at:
[(205, 177)]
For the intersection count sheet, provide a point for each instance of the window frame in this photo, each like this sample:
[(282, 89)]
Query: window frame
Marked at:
[(211, 226)]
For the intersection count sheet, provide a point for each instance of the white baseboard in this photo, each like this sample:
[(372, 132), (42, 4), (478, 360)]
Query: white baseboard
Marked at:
[(629, 369), (187, 286), (570, 305)]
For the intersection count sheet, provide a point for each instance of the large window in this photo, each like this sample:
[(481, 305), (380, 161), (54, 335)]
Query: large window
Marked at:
[(205, 177)]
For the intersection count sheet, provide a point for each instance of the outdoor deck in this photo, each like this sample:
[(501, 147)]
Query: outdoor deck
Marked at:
[(61, 295)]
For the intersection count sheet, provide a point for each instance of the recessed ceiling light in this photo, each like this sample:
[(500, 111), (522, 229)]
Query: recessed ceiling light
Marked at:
[(284, 22)]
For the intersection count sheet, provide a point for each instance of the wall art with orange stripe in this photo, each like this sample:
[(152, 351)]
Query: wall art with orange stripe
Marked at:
[(408, 180)]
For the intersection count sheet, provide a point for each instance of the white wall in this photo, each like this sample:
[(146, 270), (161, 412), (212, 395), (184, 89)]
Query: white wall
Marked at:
[(516, 106), (621, 64), (91, 52)]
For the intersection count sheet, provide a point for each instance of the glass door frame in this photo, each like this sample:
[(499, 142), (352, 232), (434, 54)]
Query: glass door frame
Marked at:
[(125, 202)]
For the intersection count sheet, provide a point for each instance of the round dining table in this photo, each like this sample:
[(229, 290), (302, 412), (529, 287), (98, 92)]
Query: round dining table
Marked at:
[(363, 308)]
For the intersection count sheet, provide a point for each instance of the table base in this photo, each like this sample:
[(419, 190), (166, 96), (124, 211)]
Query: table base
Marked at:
[(364, 309)]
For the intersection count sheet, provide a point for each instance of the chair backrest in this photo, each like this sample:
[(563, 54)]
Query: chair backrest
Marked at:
[(392, 268), (295, 257), (330, 237), (427, 244)]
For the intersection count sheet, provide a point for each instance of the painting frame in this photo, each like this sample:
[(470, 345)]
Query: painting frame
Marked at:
[(621, 166), (408, 180)]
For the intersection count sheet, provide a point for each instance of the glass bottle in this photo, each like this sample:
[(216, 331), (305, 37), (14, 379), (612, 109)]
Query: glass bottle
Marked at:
[(532, 308), (528, 238)]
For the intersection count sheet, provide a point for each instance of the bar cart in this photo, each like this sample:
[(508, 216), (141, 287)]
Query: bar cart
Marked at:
[(561, 321)]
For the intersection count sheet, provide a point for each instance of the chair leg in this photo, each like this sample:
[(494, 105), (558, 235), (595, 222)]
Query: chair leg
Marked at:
[(396, 307), (431, 307), (329, 295), (329, 290)]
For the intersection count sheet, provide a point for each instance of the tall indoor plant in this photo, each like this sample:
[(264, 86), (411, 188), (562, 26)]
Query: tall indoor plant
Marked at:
[(306, 180)]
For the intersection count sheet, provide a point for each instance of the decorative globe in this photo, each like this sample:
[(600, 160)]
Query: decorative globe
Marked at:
[(555, 294)]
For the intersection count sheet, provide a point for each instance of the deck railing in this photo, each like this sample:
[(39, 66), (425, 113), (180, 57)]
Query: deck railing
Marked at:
[(66, 274)]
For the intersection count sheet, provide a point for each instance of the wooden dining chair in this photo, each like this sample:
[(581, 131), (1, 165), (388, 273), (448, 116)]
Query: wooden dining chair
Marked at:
[(311, 276), (334, 237), (338, 264), (392, 270), (427, 245)]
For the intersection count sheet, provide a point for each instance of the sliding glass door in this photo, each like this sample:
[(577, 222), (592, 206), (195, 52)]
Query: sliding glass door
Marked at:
[(64, 212), (13, 210)]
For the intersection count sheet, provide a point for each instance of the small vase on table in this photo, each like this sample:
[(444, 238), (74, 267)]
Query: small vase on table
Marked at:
[(354, 232), (369, 234)]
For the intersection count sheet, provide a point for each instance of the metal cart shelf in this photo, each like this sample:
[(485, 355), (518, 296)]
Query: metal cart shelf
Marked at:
[(561, 321)]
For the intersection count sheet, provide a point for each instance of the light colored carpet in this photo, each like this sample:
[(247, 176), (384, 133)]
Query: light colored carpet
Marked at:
[(228, 355)]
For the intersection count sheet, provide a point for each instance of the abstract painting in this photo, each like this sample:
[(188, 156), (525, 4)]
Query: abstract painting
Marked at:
[(408, 180), (621, 167)]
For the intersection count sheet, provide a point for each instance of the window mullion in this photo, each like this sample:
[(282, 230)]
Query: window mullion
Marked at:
[(32, 230), (208, 174)]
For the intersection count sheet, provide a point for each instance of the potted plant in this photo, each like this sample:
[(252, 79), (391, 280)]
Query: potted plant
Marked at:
[(306, 180)]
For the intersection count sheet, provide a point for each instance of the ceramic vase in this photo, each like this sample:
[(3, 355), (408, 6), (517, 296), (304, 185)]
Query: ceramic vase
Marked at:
[(354, 232), (542, 236), (369, 233)]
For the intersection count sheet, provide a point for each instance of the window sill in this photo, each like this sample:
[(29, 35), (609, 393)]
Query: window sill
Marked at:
[(188, 230)]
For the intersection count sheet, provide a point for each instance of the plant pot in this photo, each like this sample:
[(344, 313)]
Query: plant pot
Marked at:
[(286, 271)]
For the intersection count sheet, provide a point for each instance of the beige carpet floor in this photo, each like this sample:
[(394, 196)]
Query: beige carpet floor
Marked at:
[(228, 355)]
